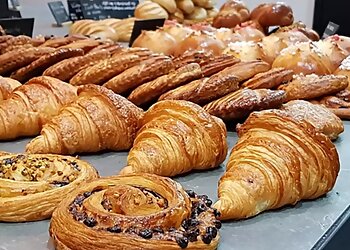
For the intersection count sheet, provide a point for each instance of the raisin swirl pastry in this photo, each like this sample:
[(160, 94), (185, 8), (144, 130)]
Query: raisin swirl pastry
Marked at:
[(31, 186), (134, 212)]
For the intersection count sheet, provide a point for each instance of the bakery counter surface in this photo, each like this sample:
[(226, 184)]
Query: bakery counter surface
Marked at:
[(294, 228)]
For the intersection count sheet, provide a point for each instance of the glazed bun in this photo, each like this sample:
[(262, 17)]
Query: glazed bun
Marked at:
[(232, 13), (157, 41)]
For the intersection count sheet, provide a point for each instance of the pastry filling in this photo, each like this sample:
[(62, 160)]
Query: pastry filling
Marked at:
[(141, 203)]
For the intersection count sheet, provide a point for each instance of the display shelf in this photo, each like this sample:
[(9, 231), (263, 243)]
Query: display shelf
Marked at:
[(308, 225)]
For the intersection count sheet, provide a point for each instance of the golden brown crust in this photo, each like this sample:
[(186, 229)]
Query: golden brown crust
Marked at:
[(238, 105), (105, 70), (7, 85), (57, 42), (232, 13), (226, 81), (259, 178), (270, 79), (133, 212), (320, 117), (192, 56), (217, 64), (177, 137), (98, 120), (133, 77), (37, 67), (86, 45), (16, 59), (313, 86), (152, 90), (66, 69), (31, 186), (15, 40), (32, 105)]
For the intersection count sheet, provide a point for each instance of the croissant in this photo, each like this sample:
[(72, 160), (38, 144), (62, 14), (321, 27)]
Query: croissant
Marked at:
[(98, 120), (320, 117), (238, 105), (32, 105), (134, 212), (153, 89), (7, 85), (313, 86), (66, 69), (226, 81), (177, 137), (37, 67), (31, 186), (259, 178), (133, 77)]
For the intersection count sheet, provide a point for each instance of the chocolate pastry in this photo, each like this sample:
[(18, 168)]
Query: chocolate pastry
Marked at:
[(238, 105), (37, 67), (134, 212), (33, 185)]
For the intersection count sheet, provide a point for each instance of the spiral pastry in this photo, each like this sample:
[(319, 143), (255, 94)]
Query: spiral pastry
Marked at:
[(134, 212), (31, 186)]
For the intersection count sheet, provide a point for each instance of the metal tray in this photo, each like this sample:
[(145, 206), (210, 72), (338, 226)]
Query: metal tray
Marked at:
[(304, 226)]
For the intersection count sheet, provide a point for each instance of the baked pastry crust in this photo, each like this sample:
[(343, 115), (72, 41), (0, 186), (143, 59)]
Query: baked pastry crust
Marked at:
[(134, 212), (14, 40), (31, 186), (57, 42), (98, 120), (320, 117), (106, 69), (16, 59), (238, 105), (68, 68), (177, 137), (7, 85), (226, 81), (259, 178), (37, 67), (152, 90), (313, 86), (133, 77), (270, 79), (217, 64), (33, 104)]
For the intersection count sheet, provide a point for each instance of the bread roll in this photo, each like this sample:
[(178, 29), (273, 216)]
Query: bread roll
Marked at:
[(150, 10)]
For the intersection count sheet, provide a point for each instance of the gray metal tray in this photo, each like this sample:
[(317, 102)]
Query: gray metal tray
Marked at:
[(294, 228)]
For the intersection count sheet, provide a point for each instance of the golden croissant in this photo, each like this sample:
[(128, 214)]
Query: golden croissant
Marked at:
[(258, 177), (98, 120), (7, 85), (32, 105), (134, 212), (177, 137), (31, 186)]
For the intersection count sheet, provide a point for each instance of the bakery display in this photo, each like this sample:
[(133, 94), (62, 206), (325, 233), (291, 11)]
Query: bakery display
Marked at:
[(176, 137), (97, 120), (134, 212), (257, 178), (32, 105), (239, 104), (31, 186)]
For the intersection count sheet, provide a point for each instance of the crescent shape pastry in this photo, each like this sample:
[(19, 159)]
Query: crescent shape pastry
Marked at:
[(7, 85), (98, 120), (177, 137), (134, 212), (259, 178), (31, 186)]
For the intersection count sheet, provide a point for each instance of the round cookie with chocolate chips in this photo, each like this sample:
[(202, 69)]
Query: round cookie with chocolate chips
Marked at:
[(135, 212), (31, 186)]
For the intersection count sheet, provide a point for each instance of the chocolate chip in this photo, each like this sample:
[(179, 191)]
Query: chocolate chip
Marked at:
[(208, 202), (158, 230), (146, 234), (191, 193), (203, 197), (114, 229), (60, 183), (217, 224), (8, 161), (217, 213), (79, 200), (182, 242), (90, 222), (212, 231), (193, 222), (192, 234), (87, 194), (184, 224), (201, 208), (75, 165), (207, 238)]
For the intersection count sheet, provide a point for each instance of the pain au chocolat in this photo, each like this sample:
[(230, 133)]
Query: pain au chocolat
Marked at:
[(31, 186), (134, 212)]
